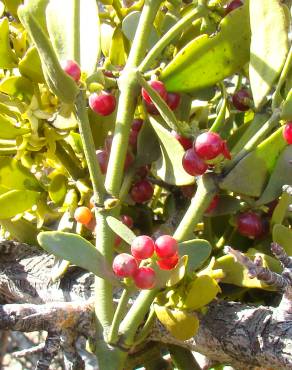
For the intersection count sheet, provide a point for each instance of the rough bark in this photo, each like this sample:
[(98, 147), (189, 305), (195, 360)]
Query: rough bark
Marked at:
[(234, 333)]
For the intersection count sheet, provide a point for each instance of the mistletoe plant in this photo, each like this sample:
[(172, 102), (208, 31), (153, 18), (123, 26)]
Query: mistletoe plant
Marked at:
[(138, 138)]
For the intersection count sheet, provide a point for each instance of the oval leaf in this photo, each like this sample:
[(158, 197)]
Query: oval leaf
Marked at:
[(169, 167), (269, 46), (17, 86), (283, 236), (8, 130), (14, 202), (121, 229), (7, 57), (30, 66), (78, 251), (197, 250), (58, 188), (207, 60)]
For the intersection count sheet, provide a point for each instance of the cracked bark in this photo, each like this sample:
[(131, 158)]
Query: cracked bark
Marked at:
[(240, 335)]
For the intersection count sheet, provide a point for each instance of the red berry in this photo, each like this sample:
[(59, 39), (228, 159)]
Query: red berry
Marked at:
[(72, 69), (103, 104), (168, 263), (185, 142), (141, 191), (125, 265), (213, 204), (83, 215), (173, 100), (102, 157), (150, 107), (159, 87), (128, 161), (287, 132), (142, 171), (118, 241), (137, 124), (145, 278), (240, 99), (209, 145), (225, 150), (232, 6), (142, 247), (193, 164), (133, 137), (188, 190), (127, 220), (166, 246), (249, 224)]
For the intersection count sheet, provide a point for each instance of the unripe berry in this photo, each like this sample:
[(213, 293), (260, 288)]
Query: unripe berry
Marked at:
[(141, 191), (159, 87), (209, 145), (287, 132), (184, 141), (145, 278), (72, 69), (232, 6), (166, 246), (173, 100), (240, 100), (168, 263), (83, 215), (125, 265), (103, 104), (102, 157), (193, 164), (249, 224), (142, 247)]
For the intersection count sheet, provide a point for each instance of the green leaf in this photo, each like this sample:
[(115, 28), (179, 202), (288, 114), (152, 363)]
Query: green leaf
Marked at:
[(7, 57), (75, 31), (14, 202), (169, 167), (281, 208), (30, 66), (15, 176), (250, 175), (8, 130), (226, 205), (209, 59), (130, 24), (58, 188), (287, 107), (65, 119), (281, 175), (170, 277), (181, 324), (197, 250), (201, 292), (58, 81), (17, 86), (121, 229), (78, 251), (269, 46), (283, 236), (148, 149), (22, 230), (118, 46), (12, 5)]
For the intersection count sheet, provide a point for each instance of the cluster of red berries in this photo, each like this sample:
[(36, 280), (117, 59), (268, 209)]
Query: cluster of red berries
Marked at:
[(172, 99), (142, 248), (206, 147)]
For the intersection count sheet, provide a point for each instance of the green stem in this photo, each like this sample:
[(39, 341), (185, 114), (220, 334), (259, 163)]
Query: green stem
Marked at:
[(183, 358), (136, 315), (119, 315), (89, 148), (219, 121), (205, 193), (143, 334), (129, 90), (71, 166), (182, 25), (118, 9), (277, 98)]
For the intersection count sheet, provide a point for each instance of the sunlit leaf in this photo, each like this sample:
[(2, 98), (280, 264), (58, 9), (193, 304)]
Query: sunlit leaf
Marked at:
[(14, 202), (197, 250), (283, 236), (7, 57), (121, 229)]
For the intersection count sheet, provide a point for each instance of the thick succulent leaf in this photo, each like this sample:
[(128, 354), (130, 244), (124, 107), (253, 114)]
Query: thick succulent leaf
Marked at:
[(181, 324), (22, 230), (281, 208), (201, 292), (148, 149), (283, 236), (250, 175), (207, 60), (78, 251), (58, 188), (269, 46), (197, 250), (75, 31), (17, 86), (8, 130), (281, 175), (14, 176), (236, 274), (7, 57), (121, 229), (169, 167), (30, 66), (170, 277), (12, 5), (15, 202), (118, 47), (225, 206), (287, 107)]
